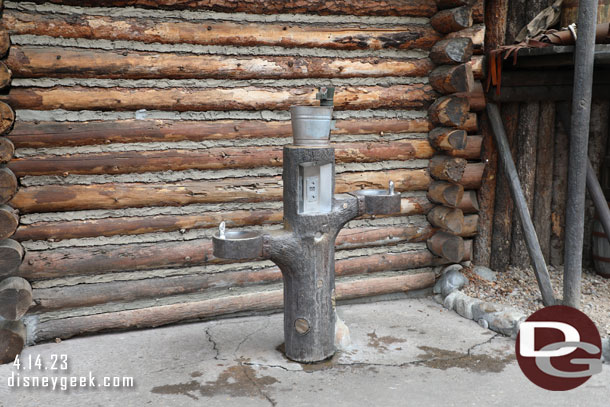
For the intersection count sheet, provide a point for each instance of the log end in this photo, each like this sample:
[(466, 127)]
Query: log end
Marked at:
[(15, 298), (11, 254), (12, 340)]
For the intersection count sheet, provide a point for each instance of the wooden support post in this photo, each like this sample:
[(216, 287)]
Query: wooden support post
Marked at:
[(450, 20), (448, 219), (15, 298), (579, 139), (542, 274)]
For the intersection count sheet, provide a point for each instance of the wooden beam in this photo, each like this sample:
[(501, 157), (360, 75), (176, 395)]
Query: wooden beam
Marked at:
[(449, 111), (447, 139), (452, 51), (446, 193), (219, 33), (450, 20), (447, 219), (476, 33), (447, 246), (472, 151), (202, 99), (445, 168), (470, 202), (452, 78)]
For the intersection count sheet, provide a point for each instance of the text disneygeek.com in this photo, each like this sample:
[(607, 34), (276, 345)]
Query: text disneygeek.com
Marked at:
[(26, 369)]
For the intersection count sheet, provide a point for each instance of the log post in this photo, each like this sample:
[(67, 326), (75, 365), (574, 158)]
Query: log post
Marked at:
[(452, 78), (9, 220), (447, 246), (445, 168), (11, 254), (450, 20), (7, 118), (7, 150), (452, 51), (448, 219), (451, 111), (447, 139), (8, 185), (15, 298), (12, 340), (446, 193)]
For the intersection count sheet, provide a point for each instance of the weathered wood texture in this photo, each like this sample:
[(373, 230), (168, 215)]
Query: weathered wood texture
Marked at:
[(450, 20), (470, 202), (472, 150), (445, 168), (477, 63), (527, 140), (446, 193), (256, 302), (210, 159), (8, 185), (7, 149), (56, 134), (560, 188), (9, 220), (476, 33), (203, 99), (447, 139), (221, 33), (12, 340), (7, 118), (122, 195), (5, 76), (419, 8), (11, 253), (447, 246), (452, 51), (503, 213), (38, 62), (169, 223), (471, 226), (544, 178), (452, 78), (448, 219), (5, 41), (15, 298), (450, 111)]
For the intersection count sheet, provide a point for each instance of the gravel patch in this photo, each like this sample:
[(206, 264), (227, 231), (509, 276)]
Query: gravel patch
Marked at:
[(518, 288)]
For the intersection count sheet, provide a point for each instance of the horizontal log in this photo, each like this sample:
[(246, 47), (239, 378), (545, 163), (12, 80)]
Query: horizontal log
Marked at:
[(15, 298), (8, 185), (86, 295), (65, 262), (51, 198), (449, 111), (476, 33), (472, 123), (477, 63), (74, 229), (446, 193), (447, 139), (447, 219), (202, 99), (452, 78), (5, 76), (5, 41), (418, 8), (470, 202), (254, 302), (210, 159), (11, 254), (9, 220), (445, 168), (7, 150), (38, 62), (452, 51), (450, 20), (445, 4), (220, 33), (471, 226), (13, 337), (472, 151), (7, 118), (60, 134), (447, 246), (476, 97)]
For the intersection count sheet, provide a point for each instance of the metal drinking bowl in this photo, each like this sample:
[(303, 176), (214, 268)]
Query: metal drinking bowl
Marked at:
[(238, 245), (380, 201), (311, 125)]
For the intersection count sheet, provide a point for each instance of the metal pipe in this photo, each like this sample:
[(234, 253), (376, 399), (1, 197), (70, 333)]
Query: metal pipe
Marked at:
[(531, 239), (579, 139)]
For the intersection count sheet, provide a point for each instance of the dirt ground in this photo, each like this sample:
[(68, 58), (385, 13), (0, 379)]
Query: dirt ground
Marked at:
[(518, 288)]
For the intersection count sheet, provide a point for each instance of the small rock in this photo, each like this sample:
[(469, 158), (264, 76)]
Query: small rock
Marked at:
[(464, 304), (450, 280), (449, 300), (483, 323), (481, 309), (485, 273)]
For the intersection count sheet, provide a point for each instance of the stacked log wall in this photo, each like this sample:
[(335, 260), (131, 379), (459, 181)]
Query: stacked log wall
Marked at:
[(140, 126)]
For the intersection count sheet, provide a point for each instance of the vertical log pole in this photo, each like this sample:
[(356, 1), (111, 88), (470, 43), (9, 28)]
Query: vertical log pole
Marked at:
[(579, 138), (542, 274)]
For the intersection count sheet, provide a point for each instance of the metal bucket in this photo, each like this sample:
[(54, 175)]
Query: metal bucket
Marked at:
[(311, 125)]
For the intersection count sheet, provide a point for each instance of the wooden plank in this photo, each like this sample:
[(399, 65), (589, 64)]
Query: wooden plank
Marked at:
[(527, 140), (202, 99), (50, 198), (54, 62), (558, 200), (416, 8), (61, 134), (544, 177), (210, 159), (220, 33)]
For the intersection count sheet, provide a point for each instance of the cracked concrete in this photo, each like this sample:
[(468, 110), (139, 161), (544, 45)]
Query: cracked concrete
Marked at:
[(408, 351)]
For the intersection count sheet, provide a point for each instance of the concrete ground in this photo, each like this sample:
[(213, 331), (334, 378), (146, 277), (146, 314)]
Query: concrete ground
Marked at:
[(406, 352)]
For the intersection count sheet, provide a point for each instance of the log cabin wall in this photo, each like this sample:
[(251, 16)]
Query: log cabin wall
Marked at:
[(141, 125)]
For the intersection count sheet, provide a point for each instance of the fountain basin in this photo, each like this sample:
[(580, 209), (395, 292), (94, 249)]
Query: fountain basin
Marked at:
[(379, 201), (238, 245)]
